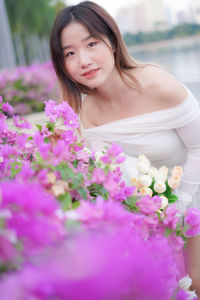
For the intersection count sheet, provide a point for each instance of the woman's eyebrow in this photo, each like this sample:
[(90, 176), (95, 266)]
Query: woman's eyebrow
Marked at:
[(83, 40)]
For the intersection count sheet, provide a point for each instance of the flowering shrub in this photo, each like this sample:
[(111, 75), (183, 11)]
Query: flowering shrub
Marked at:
[(26, 88), (71, 228)]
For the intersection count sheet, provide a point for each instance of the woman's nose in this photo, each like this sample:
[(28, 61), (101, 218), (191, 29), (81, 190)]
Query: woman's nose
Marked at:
[(84, 59)]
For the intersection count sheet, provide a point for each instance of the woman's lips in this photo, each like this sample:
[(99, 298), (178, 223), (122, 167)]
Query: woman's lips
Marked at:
[(91, 73)]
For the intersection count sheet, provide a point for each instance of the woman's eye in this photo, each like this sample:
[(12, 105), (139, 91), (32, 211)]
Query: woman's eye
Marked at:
[(91, 44), (70, 53)]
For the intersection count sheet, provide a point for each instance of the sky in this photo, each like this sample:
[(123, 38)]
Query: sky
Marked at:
[(112, 6)]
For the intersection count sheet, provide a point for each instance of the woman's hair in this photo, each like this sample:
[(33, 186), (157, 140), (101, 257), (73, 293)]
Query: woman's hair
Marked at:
[(99, 23)]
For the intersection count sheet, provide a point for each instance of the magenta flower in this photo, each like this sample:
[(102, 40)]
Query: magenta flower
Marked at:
[(148, 205), (112, 267), (21, 122), (3, 125), (171, 218), (176, 241), (33, 214), (98, 176), (192, 218), (6, 107)]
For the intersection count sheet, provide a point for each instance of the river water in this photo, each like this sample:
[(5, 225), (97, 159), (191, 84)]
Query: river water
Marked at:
[(183, 63)]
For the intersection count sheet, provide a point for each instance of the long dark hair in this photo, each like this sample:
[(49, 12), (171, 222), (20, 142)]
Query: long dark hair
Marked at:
[(98, 22)]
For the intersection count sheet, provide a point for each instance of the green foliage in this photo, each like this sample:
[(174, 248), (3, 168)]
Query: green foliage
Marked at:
[(29, 17), (176, 32)]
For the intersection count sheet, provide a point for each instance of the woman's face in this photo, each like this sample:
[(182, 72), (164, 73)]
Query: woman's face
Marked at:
[(88, 60)]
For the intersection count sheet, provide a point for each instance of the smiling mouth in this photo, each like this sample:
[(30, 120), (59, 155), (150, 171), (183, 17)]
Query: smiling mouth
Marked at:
[(90, 73)]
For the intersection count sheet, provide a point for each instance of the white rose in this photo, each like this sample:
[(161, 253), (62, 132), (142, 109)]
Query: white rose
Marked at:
[(142, 167), (146, 191), (160, 177), (152, 172), (185, 283), (135, 182), (163, 170), (164, 201), (159, 187), (177, 171), (145, 180)]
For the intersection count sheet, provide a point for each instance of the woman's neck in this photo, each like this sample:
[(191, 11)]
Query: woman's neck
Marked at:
[(113, 90)]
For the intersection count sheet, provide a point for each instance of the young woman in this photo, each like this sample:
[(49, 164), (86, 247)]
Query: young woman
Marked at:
[(139, 106)]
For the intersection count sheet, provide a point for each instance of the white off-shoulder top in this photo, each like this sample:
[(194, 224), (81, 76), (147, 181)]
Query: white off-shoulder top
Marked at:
[(167, 137)]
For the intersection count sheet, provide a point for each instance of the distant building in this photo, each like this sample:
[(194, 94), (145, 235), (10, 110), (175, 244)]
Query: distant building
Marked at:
[(132, 19), (145, 16), (155, 14), (195, 11)]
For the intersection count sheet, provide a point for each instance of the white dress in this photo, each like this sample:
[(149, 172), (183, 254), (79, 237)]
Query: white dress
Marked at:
[(168, 137)]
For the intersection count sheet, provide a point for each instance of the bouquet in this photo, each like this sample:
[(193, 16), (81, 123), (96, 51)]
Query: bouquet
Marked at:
[(152, 181)]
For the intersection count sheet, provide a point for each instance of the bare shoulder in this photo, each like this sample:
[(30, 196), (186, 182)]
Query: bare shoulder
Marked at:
[(162, 86)]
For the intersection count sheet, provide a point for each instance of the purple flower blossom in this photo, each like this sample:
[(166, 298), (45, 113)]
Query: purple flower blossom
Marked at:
[(117, 274), (3, 125), (33, 214), (171, 218), (62, 110), (192, 218), (148, 205), (6, 107), (21, 122), (1, 99)]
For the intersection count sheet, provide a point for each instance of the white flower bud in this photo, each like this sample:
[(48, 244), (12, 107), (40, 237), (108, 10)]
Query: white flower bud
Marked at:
[(145, 180), (174, 182), (164, 201), (146, 191), (143, 158), (1, 159), (159, 187), (177, 171), (152, 172), (185, 283), (159, 177), (143, 167), (135, 183)]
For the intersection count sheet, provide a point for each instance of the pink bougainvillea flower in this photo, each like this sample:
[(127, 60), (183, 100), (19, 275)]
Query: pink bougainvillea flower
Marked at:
[(192, 218), (148, 205), (3, 125), (6, 107), (33, 216), (171, 217), (21, 122)]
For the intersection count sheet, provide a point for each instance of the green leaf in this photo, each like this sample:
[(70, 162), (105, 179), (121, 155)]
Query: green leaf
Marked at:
[(66, 201), (78, 179), (15, 168), (30, 138), (46, 140), (168, 231), (50, 126), (39, 127), (75, 204), (75, 163), (172, 198), (82, 192)]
